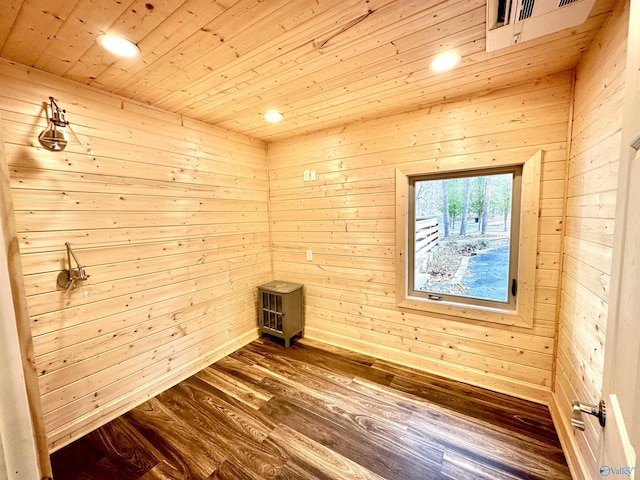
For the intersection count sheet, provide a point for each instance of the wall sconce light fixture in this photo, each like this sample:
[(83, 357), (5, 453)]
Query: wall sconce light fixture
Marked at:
[(55, 137), (67, 277)]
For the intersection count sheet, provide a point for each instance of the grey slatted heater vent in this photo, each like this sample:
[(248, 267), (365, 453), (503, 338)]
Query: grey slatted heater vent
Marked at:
[(562, 3), (281, 311), (527, 9)]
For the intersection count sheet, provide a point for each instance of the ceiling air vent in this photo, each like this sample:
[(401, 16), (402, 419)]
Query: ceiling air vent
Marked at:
[(516, 21), (526, 9)]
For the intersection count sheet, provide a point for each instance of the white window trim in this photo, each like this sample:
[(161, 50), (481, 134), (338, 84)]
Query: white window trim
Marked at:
[(522, 314)]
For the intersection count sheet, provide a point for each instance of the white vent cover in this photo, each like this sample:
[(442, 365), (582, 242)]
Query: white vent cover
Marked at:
[(515, 21)]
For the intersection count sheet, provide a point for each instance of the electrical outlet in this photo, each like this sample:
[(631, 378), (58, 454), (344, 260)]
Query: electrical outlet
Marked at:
[(306, 176), (313, 175), (309, 255)]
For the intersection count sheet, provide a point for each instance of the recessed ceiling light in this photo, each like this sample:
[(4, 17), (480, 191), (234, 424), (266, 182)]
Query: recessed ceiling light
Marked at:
[(118, 45), (273, 116), (445, 61)]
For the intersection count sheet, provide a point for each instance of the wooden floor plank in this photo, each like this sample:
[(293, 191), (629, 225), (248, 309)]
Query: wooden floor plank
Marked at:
[(209, 402), (293, 471), (239, 369), (316, 412), (372, 425), (491, 407), (503, 448), (235, 387), (186, 451), (241, 444), (317, 457), (367, 445), (329, 386), (229, 471), (116, 450), (162, 471), (456, 466), (346, 364)]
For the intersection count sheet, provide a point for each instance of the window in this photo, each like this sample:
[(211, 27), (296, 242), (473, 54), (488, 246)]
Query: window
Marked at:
[(466, 239), (464, 236)]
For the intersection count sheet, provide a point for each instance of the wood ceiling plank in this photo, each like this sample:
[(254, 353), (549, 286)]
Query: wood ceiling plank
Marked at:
[(210, 41), (10, 11), (425, 80), (291, 40), (322, 63), (134, 24), (306, 65), (312, 71), (248, 51), (79, 31), (190, 17), (357, 85), (532, 62), (349, 113), (37, 22), (382, 64)]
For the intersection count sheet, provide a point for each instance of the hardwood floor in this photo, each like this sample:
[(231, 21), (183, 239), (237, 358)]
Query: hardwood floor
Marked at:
[(314, 411)]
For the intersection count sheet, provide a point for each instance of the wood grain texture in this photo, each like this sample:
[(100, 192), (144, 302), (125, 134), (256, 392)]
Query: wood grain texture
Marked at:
[(21, 375), (171, 223), (347, 218), (588, 240), (313, 411), (322, 63)]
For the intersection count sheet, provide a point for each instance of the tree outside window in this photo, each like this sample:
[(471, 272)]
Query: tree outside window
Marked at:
[(465, 236)]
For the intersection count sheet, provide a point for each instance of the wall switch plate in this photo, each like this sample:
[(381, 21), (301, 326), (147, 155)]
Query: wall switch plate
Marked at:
[(306, 176), (309, 255), (313, 175)]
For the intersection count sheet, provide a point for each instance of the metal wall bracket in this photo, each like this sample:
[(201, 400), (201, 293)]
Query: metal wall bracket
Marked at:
[(67, 277), (578, 408)]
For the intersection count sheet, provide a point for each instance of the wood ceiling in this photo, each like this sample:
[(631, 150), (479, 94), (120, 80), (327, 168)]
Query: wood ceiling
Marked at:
[(321, 62)]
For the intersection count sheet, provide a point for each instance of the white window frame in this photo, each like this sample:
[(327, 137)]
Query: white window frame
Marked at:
[(522, 313)]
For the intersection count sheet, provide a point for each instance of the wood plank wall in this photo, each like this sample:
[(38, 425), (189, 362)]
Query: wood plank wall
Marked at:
[(169, 217), (588, 242), (346, 217)]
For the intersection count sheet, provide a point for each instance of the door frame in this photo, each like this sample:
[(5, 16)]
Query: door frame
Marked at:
[(22, 398), (616, 447)]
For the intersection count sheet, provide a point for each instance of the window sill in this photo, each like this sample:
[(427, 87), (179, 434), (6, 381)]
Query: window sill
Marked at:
[(475, 312)]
